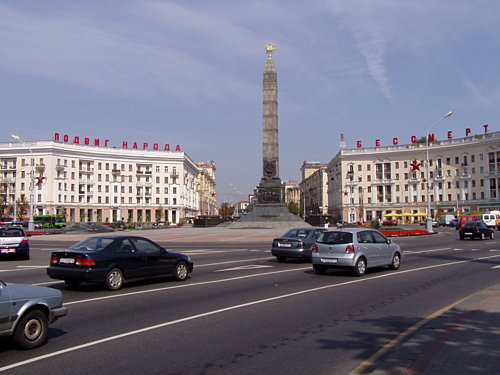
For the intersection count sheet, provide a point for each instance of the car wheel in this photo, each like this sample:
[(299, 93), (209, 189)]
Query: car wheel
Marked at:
[(396, 262), (320, 270), (360, 267), (482, 236), (32, 330), (281, 259), (72, 283), (114, 279), (181, 271)]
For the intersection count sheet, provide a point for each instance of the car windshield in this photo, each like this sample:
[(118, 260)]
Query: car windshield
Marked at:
[(11, 232), (335, 238), (297, 233), (92, 244)]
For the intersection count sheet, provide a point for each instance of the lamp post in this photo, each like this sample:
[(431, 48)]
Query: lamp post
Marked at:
[(31, 223), (429, 218)]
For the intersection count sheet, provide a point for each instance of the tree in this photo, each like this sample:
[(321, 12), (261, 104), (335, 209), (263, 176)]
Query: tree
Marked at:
[(293, 207), (226, 209), (22, 208)]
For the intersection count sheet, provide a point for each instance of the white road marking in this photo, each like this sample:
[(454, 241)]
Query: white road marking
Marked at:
[(225, 309), (426, 251), (496, 266), (27, 267), (249, 267), (203, 251), (232, 261)]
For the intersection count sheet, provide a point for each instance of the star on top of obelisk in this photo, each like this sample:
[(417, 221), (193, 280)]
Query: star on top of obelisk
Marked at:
[(270, 49)]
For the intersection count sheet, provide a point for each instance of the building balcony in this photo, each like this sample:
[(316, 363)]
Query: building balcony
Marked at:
[(6, 180), (40, 167), (115, 172), (60, 167), (144, 172), (86, 170), (86, 182)]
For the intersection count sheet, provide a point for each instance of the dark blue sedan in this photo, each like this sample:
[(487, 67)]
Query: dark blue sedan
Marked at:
[(112, 260)]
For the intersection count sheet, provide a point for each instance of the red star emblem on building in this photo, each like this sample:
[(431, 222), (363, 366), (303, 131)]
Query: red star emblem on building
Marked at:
[(415, 165), (40, 179), (345, 192)]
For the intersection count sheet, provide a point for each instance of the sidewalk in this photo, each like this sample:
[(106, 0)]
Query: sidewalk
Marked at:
[(461, 339)]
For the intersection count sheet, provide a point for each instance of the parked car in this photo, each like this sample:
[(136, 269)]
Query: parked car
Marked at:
[(476, 229), (445, 220), (113, 260), (296, 243), (389, 222), (14, 243), (356, 249), (26, 312), (435, 224)]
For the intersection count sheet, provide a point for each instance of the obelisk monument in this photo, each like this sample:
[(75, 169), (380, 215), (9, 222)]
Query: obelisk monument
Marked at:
[(269, 208)]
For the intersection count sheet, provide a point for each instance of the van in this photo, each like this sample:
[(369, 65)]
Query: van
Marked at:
[(489, 219), (445, 220), (464, 219)]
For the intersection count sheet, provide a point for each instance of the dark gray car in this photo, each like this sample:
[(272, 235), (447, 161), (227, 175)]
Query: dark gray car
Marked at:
[(296, 243), (356, 249), (27, 310)]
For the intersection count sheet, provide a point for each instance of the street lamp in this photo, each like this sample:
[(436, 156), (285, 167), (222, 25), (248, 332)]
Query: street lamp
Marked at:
[(429, 218), (31, 223)]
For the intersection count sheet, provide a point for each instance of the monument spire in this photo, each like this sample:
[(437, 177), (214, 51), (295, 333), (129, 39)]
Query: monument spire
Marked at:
[(270, 143), (269, 208)]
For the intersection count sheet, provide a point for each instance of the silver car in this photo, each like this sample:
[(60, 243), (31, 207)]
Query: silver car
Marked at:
[(356, 249), (27, 310)]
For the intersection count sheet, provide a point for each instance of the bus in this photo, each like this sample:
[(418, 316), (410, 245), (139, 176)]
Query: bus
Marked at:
[(51, 221)]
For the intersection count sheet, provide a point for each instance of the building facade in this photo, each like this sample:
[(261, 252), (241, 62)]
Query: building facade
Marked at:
[(368, 183), (314, 188), (206, 189), (103, 184)]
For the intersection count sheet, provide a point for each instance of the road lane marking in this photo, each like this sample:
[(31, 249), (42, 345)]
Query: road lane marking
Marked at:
[(426, 251), (232, 261), (249, 267), (226, 309)]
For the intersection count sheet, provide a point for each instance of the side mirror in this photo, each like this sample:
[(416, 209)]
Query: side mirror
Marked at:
[(163, 250), (389, 241)]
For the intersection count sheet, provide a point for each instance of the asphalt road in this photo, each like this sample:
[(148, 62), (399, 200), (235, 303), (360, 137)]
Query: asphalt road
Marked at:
[(241, 312)]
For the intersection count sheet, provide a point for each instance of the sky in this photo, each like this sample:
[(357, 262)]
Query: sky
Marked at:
[(190, 73)]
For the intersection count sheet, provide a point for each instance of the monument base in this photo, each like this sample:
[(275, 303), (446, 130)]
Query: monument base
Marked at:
[(269, 215)]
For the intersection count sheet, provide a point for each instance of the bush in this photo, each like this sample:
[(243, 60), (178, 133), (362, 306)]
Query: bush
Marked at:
[(375, 224)]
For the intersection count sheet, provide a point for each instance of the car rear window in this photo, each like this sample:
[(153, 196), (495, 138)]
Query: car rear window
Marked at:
[(335, 238), (92, 244), (11, 233), (297, 233)]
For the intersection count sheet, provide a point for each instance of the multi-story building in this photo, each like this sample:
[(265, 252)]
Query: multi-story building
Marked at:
[(100, 184), (292, 192), (368, 183), (206, 188), (314, 188)]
